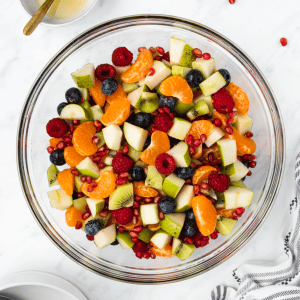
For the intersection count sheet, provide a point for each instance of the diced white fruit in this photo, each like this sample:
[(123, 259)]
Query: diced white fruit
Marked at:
[(134, 154), (85, 94), (236, 197), (184, 198), (59, 199), (172, 185), (236, 171), (113, 136), (201, 108), (173, 223), (228, 151), (208, 101), (176, 245), (181, 155), (135, 136), (149, 213), (95, 205), (105, 236), (142, 82), (214, 137), (212, 84), (124, 240), (97, 112), (88, 168), (180, 71), (108, 160), (243, 123), (225, 226), (73, 112), (161, 239), (129, 87), (180, 128), (120, 71), (134, 96), (85, 77), (161, 73), (167, 63), (230, 199), (176, 47), (205, 66)]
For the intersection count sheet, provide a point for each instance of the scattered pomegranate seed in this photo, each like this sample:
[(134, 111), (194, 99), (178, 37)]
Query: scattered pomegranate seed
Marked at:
[(89, 179), (214, 235), (90, 237), (136, 205), (204, 186), (136, 212), (197, 142), (231, 1), (160, 50), (161, 110), (155, 113), (206, 56), (101, 149), (83, 178), (152, 49), (141, 49), (134, 220), (189, 240), (153, 256), (138, 229), (229, 129), (230, 120), (121, 229), (50, 149), (71, 127), (95, 140), (90, 188), (124, 175), (232, 114), (249, 134), (78, 225), (133, 234), (210, 157), (253, 157), (94, 184), (134, 239), (97, 159), (101, 165), (86, 215), (193, 165), (203, 138), (75, 172), (161, 215), (121, 181), (172, 115), (157, 199), (137, 198), (252, 164), (60, 145), (148, 200), (166, 109), (188, 181), (239, 211), (103, 213), (218, 122), (139, 255), (79, 195), (147, 255), (247, 157), (125, 149), (192, 150), (157, 58), (283, 42), (98, 124), (76, 122), (249, 173), (197, 52), (190, 140), (197, 189)]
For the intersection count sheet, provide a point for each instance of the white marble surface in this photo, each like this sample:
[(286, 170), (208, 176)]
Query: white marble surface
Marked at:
[(256, 26)]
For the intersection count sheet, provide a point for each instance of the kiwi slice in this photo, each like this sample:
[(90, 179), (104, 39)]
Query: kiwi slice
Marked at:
[(124, 240), (148, 102), (80, 203), (145, 235), (182, 109), (52, 175), (121, 197), (154, 178), (103, 220), (185, 250)]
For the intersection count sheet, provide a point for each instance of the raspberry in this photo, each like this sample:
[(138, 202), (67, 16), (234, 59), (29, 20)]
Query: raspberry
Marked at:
[(140, 247), (218, 182), (123, 215), (166, 56), (165, 164), (104, 71), (283, 42), (122, 57), (122, 163), (223, 102), (163, 122), (57, 127)]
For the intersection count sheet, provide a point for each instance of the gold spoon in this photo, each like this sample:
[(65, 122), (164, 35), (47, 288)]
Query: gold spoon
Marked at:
[(37, 17)]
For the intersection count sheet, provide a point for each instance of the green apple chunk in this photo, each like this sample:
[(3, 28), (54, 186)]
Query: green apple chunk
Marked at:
[(180, 71), (74, 112), (184, 199), (172, 185), (243, 123), (135, 136), (180, 128), (236, 197), (161, 73), (134, 154), (161, 239), (173, 223), (149, 213), (182, 109), (239, 183), (145, 235), (113, 136), (80, 204), (228, 151), (95, 205), (154, 178), (96, 112), (59, 199), (148, 102), (105, 236), (180, 153), (129, 87), (85, 104), (124, 240), (185, 251), (52, 172), (225, 226), (216, 135), (88, 168), (201, 108), (205, 66), (187, 57), (85, 94), (135, 95), (236, 171), (176, 48), (85, 77), (208, 101), (101, 137), (121, 197), (212, 84)]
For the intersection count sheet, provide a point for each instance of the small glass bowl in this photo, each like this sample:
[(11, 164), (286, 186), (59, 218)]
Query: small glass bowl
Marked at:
[(96, 45)]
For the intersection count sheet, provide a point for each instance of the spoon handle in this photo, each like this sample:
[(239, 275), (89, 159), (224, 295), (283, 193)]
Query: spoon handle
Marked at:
[(37, 17)]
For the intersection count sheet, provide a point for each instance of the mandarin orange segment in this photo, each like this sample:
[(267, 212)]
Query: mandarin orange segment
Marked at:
[(117, 113), (73, 216), (140, 68), (214, 149), (142, 190), (178, 87), (97, 94), (244, 145), (72, 157), (119, 93), (205, 214), (153, 227), (106, 186), (164, 252), (54, 141), (198, 152), (160, 143), (240, 98), (221, 117), (82, 139), (107, 105), (202, 174), (201, 127), (130, 225), (67, 181)]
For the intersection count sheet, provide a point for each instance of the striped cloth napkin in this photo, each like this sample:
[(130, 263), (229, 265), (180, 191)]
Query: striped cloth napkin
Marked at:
[(280, 279)]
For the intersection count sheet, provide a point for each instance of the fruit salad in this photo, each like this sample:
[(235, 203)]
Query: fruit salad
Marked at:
[(152, 154)]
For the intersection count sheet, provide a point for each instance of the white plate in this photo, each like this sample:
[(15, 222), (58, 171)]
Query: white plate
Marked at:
[(35, 285)]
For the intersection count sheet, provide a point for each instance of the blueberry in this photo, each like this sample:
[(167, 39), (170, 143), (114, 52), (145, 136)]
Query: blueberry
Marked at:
[(73, 95), (92, 227), (167, 205), (57, 157), (226, 75), (147, 143), (60, 107), (138, 174), (169, 102), (74, 195), (189, 228), (143, 120), (190, 215), (173, 141), (109, 86), (115, 242), (194, 78), (185, 173), (131, 119)]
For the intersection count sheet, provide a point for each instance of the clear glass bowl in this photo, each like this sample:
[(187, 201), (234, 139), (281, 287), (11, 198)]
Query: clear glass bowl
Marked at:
[(96, 45)]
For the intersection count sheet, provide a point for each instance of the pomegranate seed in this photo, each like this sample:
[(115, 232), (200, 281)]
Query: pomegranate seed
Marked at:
[(247, 157), (102, 153), (75, 172), (252, 164), (229, 121), (137, 198), (86, 215), (203, 138), (90, 188), (234, 218), (121, 229), (101, 149), (76, 122), (83, 178), (141, 49), (139, 255), (89, 179), (148, 200), (239, 211), (71, 127), (161, 215), (249, 134), (249, 173), (152, 49), (157, 58), (197, 189), (97, 123), (103, 213), (197, 243), (189, 240), (166, 109), (78, 225), (133, 234), (204, 186), (138, 229), (90, 237), (134, 239), (50, 149), (193, 165), (97, 159), (147, 255), (253, 157), (121, 181), (153, 256), (125, 149), (188, 181), (214, 235), (197, 143), (229, 129), (283, 42), (160, 50), (218, 122), (95, 140), (66, 139), (134, 220), (136, 205), (192, 150), (151, 72), (190, 140), (124, 175), (136, 212), (197, 52), (157, 199), (101, 165), (206, 56), (79, 195), (232, 114), (94, 184), (172, 115), (161, 110), (60, 145), (231, 1), (211, 157)]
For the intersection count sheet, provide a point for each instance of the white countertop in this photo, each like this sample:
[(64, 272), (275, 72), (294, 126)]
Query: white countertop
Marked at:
[(256, 26)]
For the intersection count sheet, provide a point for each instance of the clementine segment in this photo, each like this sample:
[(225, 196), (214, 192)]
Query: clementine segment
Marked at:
[(214, 149), (119, 93), (153, 227), (67, 181), (82, 139), (142, 190), (178, 87), (130, 225), (97, 94), (240, 98), (160, 143), (73, 216), (205, 214), (71, 156), (140, 68), (164, 252), (202, 174), (117, 113)]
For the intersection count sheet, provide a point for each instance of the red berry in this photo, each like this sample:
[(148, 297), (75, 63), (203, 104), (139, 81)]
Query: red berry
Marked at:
[(122, 163), (218, 182), (206, 56), (151, 72), (239, 211), (125, 149), (50, 149), (231, 1), (283, 42), (78, 225), (140, 247), (165, 164), (122, 57), (197, 52), (163, 122), (190, 140), (57, 128), (166, 56), (90, 237), (214, 235), (228, 129), (249, 134), (104, 71), (160, 50), (123, 215), (223, 102), (157, 58)]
